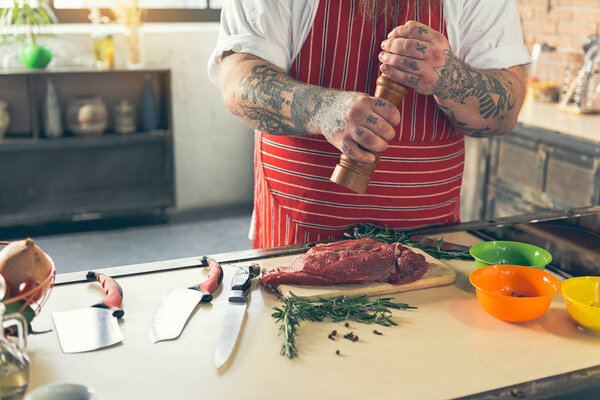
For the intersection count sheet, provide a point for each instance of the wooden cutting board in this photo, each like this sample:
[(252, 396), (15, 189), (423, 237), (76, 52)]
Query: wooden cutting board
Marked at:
[(438, 274)]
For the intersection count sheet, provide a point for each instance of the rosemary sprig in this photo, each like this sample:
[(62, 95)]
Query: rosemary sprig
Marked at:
[(359, 309), (390, 236)]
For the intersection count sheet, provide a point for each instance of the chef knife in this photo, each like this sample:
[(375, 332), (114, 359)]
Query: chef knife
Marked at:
[(178, 304), (93, 327), (235, 312)]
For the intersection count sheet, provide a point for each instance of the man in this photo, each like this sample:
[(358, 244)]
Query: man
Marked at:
[(302, 73)]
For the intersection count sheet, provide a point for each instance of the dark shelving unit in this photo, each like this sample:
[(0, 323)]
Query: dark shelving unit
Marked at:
[(73, 178)]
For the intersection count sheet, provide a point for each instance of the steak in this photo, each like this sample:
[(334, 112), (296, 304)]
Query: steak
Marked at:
[(351, 261)]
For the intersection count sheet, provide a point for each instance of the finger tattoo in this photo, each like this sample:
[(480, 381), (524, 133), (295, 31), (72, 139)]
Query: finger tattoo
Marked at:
[(380, 103), (371, 119), (414, 81), (421, 48), (359, 132), (414, 66), (421, 30)]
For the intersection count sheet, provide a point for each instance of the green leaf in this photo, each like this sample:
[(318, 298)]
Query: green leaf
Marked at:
[(27, 312)]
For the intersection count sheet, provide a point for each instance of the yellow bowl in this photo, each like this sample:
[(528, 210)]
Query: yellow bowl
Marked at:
[(582, 296)]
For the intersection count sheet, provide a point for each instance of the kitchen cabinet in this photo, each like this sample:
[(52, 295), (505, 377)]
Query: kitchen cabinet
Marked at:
[(550, 160), (532, 169), (73, 178)]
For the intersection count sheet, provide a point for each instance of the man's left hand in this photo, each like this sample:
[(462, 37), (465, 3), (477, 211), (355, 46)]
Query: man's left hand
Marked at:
[(411, 54)]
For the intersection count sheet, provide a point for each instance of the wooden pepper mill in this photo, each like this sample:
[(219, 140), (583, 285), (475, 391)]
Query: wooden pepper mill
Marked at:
[(355, 175)]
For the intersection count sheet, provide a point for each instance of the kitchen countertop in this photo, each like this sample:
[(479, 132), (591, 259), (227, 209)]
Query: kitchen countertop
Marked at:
[(548, 116), (449, 347)]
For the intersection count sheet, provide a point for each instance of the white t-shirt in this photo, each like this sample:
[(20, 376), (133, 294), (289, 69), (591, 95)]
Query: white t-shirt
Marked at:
[(483, 33)]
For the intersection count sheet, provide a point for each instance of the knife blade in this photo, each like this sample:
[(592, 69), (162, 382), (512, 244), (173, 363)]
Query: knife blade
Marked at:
[(178, 304), (93, 327), (445, 245), (235, 313)]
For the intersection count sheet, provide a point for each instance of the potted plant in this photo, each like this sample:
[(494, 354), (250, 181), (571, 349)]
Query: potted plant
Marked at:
[(26, 20)]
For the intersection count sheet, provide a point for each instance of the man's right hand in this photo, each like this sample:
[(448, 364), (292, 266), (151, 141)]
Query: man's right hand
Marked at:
[(271, 101), (358, 124)]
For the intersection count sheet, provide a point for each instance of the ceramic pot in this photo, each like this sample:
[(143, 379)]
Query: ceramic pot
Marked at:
[(86, 116), (4, 118), (35, 56)]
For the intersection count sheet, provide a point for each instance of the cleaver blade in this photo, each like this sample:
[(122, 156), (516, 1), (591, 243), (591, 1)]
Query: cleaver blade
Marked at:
[(86, 329), (94, 327)]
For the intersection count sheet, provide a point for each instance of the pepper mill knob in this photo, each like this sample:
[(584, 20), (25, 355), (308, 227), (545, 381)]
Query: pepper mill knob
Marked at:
[(355, 175)]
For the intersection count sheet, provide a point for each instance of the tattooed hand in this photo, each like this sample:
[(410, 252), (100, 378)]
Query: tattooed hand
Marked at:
[(357, 124), (412, 54), (479, 102)]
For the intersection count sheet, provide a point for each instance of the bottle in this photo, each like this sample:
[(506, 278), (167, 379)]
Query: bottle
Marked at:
[(52, 115), (4, 118), (149, 108)]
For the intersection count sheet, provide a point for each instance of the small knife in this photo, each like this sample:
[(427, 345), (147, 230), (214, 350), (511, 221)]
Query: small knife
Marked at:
[(235, 312), (178, 304)]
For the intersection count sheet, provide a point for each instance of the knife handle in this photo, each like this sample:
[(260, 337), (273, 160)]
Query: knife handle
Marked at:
[(240, 284), (112, 290), (214, 279)]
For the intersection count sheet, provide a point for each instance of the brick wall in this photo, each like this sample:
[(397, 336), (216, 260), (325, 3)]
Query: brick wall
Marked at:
[(563, 24)]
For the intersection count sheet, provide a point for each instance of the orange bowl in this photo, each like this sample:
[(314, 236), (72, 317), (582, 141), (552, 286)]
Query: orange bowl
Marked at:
[(514, 293)]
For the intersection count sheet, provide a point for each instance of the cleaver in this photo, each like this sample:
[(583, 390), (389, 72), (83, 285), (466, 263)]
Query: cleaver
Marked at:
[(178, 304), (93, 327)]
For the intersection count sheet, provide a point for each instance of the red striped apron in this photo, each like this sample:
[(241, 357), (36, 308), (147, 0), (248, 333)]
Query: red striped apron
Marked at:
[(417, 181)]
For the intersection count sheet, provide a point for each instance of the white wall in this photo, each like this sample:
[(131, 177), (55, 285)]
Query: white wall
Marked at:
[(213, 149)]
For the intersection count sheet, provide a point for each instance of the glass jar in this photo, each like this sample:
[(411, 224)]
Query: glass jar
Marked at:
[(14, 362), (124, 115), (104, 52), (543, 75)]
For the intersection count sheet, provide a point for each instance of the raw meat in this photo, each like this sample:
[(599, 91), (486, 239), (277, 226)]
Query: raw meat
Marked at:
[(351, 261)]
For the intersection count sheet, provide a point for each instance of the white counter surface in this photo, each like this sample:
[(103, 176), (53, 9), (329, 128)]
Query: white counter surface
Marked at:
[(549, 116), (448, 347)]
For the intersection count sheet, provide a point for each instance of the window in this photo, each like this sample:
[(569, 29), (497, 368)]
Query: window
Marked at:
[(77, 11)]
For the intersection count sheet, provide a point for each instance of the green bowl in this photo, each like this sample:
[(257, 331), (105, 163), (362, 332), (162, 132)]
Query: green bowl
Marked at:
[(512, 253)]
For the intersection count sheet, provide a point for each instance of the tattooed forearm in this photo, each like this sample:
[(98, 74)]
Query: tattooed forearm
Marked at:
[(277, 104), (263, 95), (458, 81), (466, 128)]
